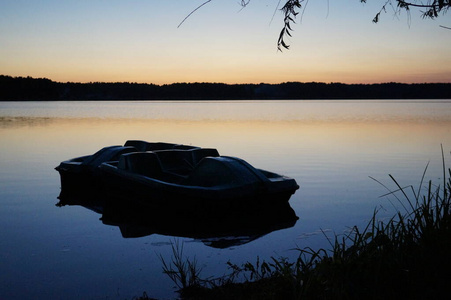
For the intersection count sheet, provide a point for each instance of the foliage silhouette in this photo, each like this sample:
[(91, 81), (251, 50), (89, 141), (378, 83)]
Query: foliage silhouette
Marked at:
[(38, 89), (429, 9)]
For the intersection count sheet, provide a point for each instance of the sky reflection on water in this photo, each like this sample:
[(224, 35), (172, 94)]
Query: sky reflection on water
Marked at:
[(330, 148)]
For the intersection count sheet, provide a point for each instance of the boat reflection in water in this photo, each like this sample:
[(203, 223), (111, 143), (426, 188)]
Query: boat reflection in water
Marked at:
[(215, 228)]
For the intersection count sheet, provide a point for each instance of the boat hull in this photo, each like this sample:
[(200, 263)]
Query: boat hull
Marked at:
[(242, 193)]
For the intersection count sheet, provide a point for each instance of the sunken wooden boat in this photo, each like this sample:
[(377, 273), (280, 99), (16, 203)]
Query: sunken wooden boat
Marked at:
[(195, 177)]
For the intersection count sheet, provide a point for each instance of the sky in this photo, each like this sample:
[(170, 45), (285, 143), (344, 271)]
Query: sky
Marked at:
[(140, 41)]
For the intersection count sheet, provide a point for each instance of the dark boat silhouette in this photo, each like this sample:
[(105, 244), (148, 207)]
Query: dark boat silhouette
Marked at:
[(83, 171), (177, 176)]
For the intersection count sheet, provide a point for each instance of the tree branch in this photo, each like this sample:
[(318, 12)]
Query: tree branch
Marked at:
[(420, 5), (194, 12), (290, 10)]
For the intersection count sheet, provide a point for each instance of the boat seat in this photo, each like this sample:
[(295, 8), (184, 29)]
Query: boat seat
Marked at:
[(139, 145), (147, 164), (147, 146), (184, 161), (201, 153), (111, 153), (211, 171), (185, 147), (143, 146), (159, 146), (223, 170), (176, 161), (143, 163)]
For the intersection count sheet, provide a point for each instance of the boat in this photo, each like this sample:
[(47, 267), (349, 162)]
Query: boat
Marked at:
[(177, 177), (82, 172)]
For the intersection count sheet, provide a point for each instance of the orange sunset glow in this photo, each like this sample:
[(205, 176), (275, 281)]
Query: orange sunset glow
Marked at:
[(139, 41)]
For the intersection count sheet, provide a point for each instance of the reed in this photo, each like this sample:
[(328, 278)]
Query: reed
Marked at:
[(407, 256), (183, 272)]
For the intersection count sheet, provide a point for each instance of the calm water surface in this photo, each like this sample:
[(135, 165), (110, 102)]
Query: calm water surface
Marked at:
[(330, 148)]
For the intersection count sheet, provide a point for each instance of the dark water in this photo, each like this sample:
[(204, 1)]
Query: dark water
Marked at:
[(330, 148)]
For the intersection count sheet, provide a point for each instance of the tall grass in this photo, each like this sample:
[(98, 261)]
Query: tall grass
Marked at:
[(405, 257), (183, 272)]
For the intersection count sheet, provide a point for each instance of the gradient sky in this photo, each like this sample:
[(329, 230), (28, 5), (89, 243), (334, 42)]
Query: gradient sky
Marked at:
[(138, 41)]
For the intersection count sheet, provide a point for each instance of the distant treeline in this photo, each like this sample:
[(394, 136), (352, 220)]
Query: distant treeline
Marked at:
[(28, 89)]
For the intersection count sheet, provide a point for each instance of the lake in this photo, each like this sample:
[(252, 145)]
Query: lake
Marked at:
[(331, 148)]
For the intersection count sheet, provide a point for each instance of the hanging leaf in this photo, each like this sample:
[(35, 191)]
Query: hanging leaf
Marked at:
[(376, 18)]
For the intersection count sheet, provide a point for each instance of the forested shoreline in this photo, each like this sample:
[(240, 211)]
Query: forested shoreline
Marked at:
[(43, 89)]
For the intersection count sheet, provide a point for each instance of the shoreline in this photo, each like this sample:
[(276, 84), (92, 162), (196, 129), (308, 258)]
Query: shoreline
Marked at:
[(42, 89)]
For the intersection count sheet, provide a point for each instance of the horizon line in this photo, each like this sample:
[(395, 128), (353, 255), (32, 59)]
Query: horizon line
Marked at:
[(214, 82)]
